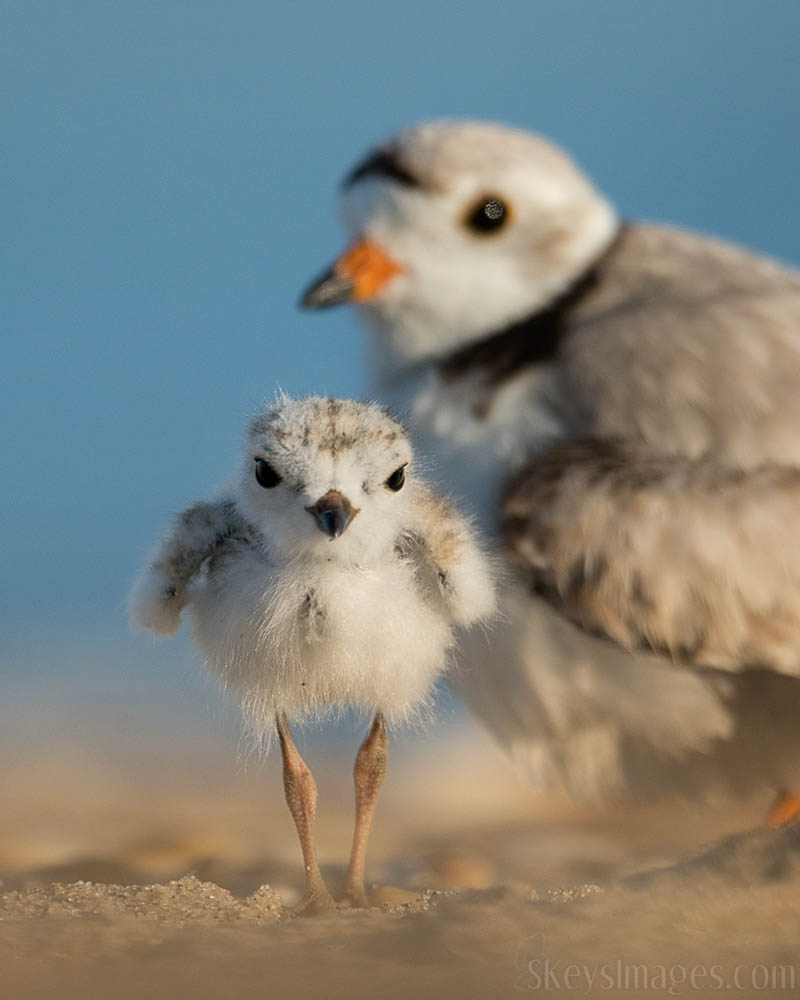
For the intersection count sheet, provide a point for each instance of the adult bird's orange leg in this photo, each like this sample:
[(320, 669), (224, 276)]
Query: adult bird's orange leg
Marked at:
[(301, 798), (785, 810), (368, 775)]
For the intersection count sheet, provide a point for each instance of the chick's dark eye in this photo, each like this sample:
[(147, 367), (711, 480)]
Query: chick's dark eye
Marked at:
[(266, 475), (397, 480), (489, 215)]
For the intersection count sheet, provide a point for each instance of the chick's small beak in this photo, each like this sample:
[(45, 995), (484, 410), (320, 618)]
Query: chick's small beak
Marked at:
[(333, 512), (357, 276)]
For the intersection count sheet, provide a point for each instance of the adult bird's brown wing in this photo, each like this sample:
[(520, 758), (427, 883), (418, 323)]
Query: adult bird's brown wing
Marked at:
[(691, 558)]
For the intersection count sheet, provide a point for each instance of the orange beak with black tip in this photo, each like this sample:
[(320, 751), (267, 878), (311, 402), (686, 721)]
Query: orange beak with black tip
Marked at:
[(357, 276)]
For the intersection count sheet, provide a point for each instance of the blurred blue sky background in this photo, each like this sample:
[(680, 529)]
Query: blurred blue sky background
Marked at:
[(167, 176)]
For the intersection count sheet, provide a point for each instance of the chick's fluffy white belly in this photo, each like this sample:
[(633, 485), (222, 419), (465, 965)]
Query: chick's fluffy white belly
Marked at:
[(316, 636)]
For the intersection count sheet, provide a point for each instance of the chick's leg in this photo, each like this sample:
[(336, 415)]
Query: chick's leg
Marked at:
[(368, 773), (301, 798)]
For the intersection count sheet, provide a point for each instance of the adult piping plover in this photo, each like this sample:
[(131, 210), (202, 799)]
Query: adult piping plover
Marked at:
[(622, 404), (329, 576)]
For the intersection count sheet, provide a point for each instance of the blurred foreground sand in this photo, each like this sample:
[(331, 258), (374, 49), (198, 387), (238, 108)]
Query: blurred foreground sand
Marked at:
[(494, 879)]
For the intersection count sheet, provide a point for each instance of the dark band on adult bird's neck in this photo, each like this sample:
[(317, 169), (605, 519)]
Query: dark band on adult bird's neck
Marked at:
[(533, 340)]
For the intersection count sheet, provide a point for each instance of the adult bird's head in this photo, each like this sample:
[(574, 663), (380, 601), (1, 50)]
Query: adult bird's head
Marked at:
[(458, 230)]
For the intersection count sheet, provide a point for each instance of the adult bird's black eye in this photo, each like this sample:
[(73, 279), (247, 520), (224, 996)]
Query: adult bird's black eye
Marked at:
[(397, 480), (489, 215), (266, 475)]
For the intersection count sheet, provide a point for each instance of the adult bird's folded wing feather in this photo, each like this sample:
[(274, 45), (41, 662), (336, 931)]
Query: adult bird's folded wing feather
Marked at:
[(693, 559)]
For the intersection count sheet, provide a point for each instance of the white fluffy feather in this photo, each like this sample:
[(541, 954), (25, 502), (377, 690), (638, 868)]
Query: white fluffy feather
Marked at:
[(151, 607), (294, 621)]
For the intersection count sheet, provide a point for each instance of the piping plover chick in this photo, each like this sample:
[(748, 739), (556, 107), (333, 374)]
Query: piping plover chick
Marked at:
[(329, 576), (621, 404)]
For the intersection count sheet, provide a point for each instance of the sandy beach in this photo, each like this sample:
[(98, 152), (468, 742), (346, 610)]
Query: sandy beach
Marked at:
[(128, 878)]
